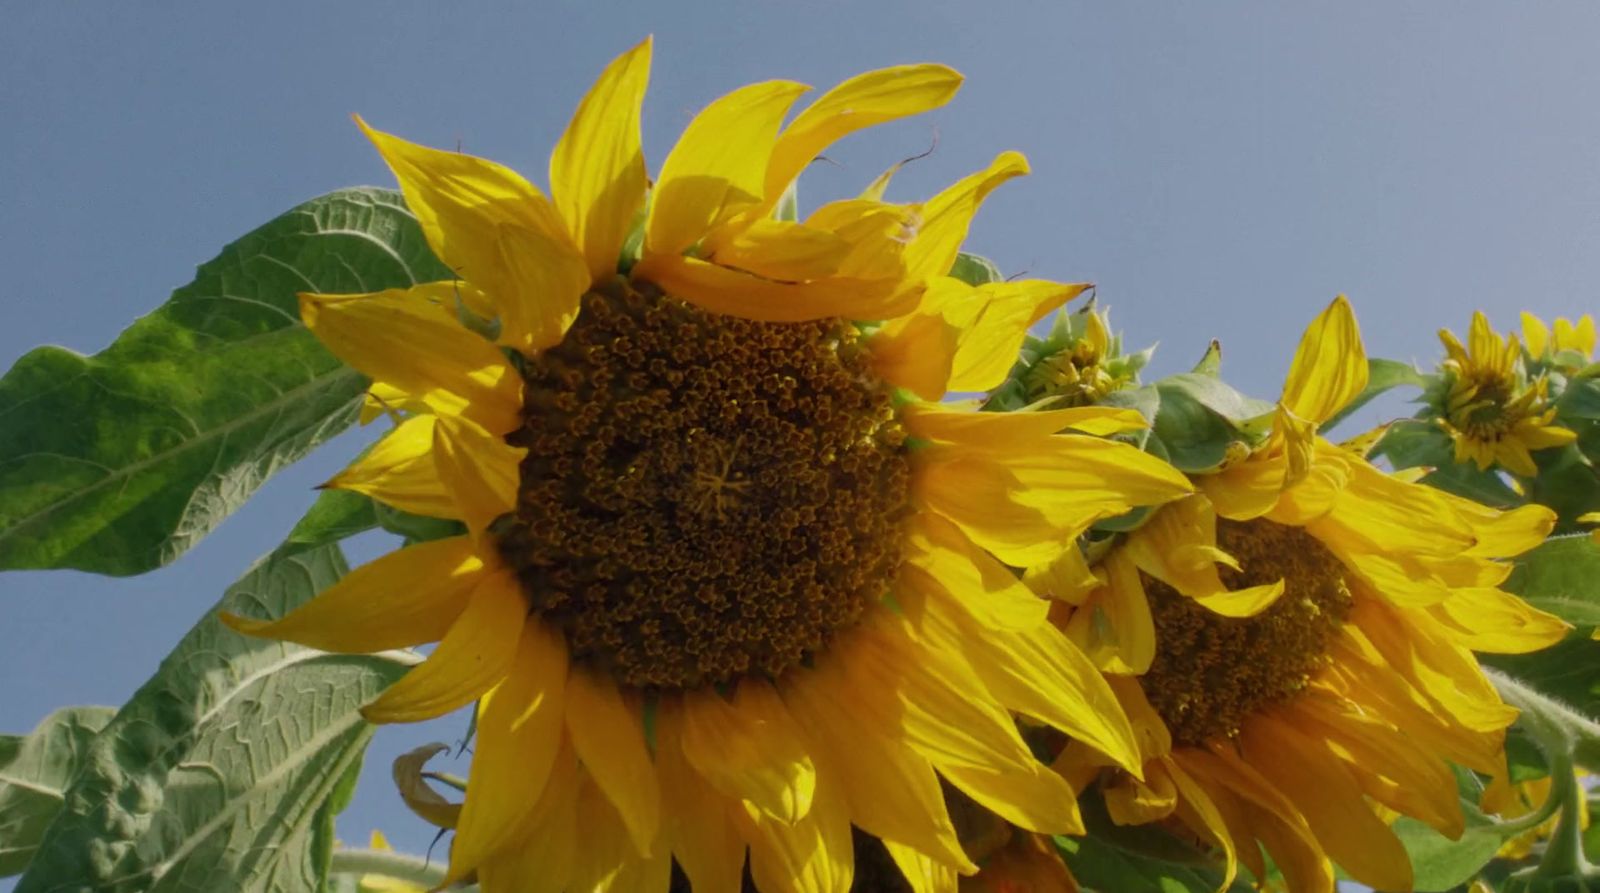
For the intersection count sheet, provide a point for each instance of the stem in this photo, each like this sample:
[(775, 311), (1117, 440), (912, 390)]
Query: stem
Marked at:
[(1563, 852), (399, 866)]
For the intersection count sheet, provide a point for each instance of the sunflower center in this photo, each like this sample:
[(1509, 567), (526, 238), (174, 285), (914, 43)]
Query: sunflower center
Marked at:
[(1210, 671), (704, 496)]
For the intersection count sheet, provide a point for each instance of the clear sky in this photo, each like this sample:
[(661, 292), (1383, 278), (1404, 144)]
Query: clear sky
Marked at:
[(1219, 169)]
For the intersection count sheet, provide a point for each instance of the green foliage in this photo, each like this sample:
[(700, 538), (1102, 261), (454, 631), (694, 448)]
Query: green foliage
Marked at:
[(1561, 576), (1105, 868), (1200, 417), (224, 771), (119, 462), (34, 772), (975, 270)]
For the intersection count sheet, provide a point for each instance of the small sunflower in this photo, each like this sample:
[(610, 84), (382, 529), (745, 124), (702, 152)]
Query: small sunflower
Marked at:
[(1294, 644), (732, 581), (1574, 339), (1491, 410), (1077, 363)]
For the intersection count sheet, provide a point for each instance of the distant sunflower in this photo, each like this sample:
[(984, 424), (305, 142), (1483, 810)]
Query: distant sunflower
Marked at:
[(1492, 411), (1546, 345), (730, 582), (1293, 645)]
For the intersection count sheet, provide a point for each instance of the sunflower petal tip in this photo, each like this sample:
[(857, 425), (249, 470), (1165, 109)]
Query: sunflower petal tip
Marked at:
[(245, 625)]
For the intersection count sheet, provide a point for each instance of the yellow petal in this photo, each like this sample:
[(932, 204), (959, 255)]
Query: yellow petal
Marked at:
[(1130, 801), (947, 216), (399, 471), (778, 249), (1385, 762), (812, 855), (923, 873), (915, 352), (386, 399), (609, 737), (937, 705), (1035, 671), (1013, 430), (749, 749), (539, 858), (1040, 801), (698, 825), (1265, 811), (1485, 619), (892, 792), (1444, 672), (1330, 365), (597, 173), (405, 598), (1330, 799), (607, 861), (1246, 489), (413, 344), (498, 232), (1535, 334), (1067, 578), (472, 658), (723, 290), (480, 471), (989, 347), (1178, 546), (985, 587), (1114, 626), (719, 164), (519, 737), (862, 101), (1197, 810)]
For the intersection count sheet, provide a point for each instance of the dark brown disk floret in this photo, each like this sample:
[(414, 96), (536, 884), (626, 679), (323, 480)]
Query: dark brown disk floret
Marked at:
[(704, 496), (1210, 671)]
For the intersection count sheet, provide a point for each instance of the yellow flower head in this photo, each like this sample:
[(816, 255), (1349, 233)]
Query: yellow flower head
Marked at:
[(1294, 644), (732, 579), (1543, 344), (1079, 362), (1492, 412)]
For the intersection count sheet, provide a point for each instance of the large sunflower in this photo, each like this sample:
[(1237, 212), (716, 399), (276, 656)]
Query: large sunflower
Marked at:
[(1294, 644), (1492, 411), (702, 501)]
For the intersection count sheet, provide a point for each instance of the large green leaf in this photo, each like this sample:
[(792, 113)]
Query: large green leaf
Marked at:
[(34, 771), (119, 462), (1561, 576), (223, 771)]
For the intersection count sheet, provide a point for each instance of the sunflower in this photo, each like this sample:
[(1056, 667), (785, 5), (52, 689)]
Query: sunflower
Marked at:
[(1293, 645), (1547, 346), (732, 577), (1491, 410), (1077, 363)]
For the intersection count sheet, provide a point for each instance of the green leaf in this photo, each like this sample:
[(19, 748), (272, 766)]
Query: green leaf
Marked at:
[(1413, 443), (1561, 576), (336, 515), (1100, 866), (1438, 863), (1382, 376), (975, 269), (119, 462), (34, 771), (1211, 363), (219, 773), (1200, 416)]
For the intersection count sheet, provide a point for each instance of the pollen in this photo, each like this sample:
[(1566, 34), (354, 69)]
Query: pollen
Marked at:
[(704, 497), (1211, 672)]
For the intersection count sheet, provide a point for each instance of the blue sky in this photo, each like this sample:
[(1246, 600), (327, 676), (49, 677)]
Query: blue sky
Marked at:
[(1219, 169)]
